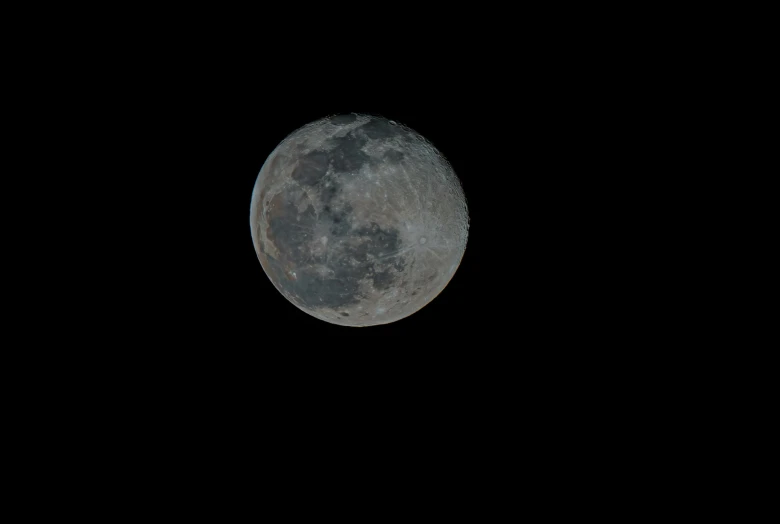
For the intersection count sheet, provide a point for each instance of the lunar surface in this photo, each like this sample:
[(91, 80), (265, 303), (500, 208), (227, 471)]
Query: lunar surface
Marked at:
[(358, 220)]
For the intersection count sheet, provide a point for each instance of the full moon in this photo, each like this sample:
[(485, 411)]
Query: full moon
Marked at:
[(358, 220)]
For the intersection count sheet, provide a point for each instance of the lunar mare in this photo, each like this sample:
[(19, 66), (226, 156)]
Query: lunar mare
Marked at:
[(358, 220)]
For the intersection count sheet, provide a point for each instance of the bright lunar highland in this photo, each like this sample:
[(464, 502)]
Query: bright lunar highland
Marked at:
[(358, 220)]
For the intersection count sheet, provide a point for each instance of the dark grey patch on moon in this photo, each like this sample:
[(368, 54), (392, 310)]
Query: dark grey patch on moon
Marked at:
[(315, 291), (311, 168), (363, 254), (340, 219), (378, 128), (291, 228), (348, 155), (328, 192), (341, 120), (376, 241), (383, 279), (393, 156)]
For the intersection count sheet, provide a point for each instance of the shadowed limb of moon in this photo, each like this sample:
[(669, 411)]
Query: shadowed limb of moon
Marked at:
[(358, 220)]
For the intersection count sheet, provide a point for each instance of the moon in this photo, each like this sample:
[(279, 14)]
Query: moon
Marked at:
[(358, 220)]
